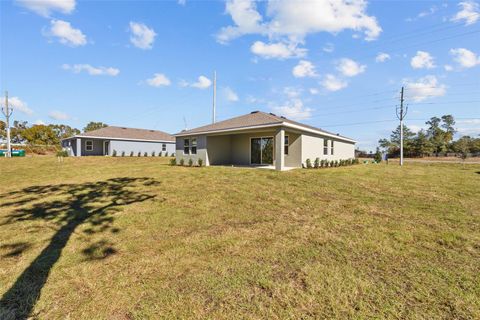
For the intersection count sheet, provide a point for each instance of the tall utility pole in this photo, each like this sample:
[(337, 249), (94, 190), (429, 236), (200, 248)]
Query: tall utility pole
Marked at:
[(401, 113), (214, 115), (7, 111)]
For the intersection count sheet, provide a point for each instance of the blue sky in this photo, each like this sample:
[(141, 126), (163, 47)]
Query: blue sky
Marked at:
[(331, 64)]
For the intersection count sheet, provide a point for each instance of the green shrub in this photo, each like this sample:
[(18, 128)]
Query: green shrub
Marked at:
[(336, 163), (160, 154), (182, 162), (316, 164), (190, 162), (356, 161), (173, 162), (200, 162), (309, 164), (139, 154), (378, 156), (145, 154), (131, 153), (62, 153), (114, 153), (166, 154), (153, 153), (123, 153), (172, 155)]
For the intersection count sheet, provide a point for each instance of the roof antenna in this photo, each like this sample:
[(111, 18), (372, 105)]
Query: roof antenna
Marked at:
[(214, 96)]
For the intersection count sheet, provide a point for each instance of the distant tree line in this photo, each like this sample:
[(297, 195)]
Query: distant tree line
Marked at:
[(436, 140), (39, 134)]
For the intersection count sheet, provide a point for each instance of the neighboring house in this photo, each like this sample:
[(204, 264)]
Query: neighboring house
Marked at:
[(106, 140), (261, 138)]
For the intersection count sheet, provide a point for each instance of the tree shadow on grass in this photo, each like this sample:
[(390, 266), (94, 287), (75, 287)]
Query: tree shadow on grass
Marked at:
[(67, 206)]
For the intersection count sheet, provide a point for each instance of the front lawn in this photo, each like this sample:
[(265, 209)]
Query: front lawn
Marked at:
[(133, 238)]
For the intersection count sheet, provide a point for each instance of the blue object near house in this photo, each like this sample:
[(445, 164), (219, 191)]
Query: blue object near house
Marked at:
[(122, 140)]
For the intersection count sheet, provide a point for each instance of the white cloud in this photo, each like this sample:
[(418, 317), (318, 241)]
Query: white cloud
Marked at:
[(469, 127), (424, 88), (202, 83), (246, 18), (304, 69), (39, 122), (17, 105), (292, 92), (158, 80), (93, 71), (313, 91), (277, 50), (329, 47), (382, 57), (297, 20), (424, 14), (66, 34), (142, 36), (422, 60), (465, 58), (293, 109), (230, 95), (58, 115), (46, 7), (288, 21), (469, 13), (448, 67), (332, 83), (182, 2), (415, 128), (350, 68)]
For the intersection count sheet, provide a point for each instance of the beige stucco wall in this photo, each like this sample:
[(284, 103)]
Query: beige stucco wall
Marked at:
[(235, 149), (312, 148), (219, 149)]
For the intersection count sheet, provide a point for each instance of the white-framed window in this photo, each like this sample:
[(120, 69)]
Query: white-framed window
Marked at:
[(89, 145), (186, 146), (164, 147), (331, 151), (287, 144), (194, 146), (325, 146)]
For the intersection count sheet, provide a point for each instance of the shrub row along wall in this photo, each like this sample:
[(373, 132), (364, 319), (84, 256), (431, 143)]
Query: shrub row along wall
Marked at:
[(329, 164), (141, 154)]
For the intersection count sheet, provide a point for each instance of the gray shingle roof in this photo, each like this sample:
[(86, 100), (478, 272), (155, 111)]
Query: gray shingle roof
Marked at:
[(256, 118), (128, 133)]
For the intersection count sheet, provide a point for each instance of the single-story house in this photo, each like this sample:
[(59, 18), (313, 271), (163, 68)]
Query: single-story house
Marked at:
[(122, 140), (261, 139)]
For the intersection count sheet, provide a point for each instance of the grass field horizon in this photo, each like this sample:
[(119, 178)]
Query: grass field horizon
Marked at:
[(134, 238)]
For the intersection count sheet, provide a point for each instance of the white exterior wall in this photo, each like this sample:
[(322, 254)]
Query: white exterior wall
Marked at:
[(312, 148)]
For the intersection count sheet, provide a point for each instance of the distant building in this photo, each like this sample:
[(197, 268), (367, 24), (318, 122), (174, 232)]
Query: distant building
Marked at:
[(106, 140)]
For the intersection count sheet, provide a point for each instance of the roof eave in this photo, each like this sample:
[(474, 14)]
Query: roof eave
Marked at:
[(277, 124), (114, 138)]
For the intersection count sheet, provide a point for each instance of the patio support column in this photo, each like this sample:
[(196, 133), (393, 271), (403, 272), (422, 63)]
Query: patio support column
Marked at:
[(79, 147), (279, 147)]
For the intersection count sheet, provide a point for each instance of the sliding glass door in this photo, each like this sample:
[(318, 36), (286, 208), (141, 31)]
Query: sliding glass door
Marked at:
[(261, 150)]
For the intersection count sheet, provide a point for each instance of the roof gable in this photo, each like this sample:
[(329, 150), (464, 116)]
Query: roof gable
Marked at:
[(254, 119)]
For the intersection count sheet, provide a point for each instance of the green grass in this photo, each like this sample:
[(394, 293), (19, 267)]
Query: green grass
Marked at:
[(133, 238)]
